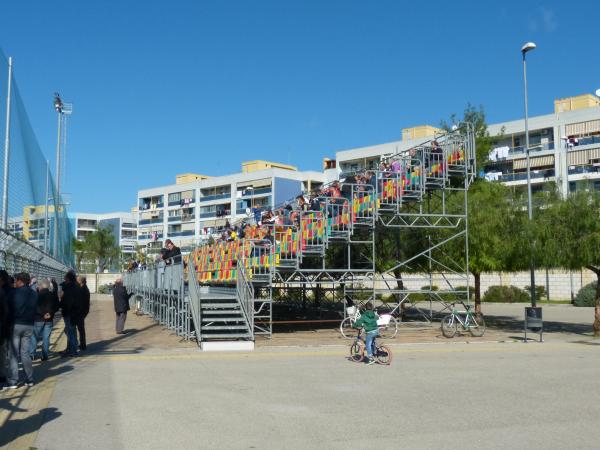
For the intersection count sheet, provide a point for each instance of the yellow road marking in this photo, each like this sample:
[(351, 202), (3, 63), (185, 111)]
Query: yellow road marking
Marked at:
[(340, 351)]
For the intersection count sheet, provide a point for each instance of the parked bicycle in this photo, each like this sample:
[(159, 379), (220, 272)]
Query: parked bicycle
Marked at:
[(382, 353), (467, 319), (387, 324)]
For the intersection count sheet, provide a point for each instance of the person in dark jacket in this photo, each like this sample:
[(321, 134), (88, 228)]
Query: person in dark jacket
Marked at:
[(71, 311), (85, 310), (121, 299), (173, 253), (4, 327), (6, 286), (44, 319), (22, 304)]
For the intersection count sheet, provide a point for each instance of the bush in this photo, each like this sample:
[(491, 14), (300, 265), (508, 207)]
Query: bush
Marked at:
[(506, 294), (540, 291), (586, 295), (105, 289)]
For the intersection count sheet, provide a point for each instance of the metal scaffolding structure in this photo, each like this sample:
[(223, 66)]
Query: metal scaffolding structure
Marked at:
[(231, 290)]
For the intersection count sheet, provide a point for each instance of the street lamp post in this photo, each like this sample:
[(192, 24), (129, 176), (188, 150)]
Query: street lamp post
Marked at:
[(62, 110), (526, 48)]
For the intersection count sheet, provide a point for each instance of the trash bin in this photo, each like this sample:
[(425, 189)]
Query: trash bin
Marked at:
[(533, 321)]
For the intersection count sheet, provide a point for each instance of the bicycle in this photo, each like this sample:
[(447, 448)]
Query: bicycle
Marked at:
[(382, 353), (469, 320), (387, 324)]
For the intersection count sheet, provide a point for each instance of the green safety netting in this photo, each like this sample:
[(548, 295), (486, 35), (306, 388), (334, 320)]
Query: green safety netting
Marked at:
[(35, 214)]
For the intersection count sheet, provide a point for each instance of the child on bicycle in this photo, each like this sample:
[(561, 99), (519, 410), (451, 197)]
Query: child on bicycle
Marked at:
[(368, 320)]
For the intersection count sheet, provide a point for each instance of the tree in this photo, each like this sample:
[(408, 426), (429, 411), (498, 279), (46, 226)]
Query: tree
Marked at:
[(495, 237), (568, 237), (100, 247), (79, 251)]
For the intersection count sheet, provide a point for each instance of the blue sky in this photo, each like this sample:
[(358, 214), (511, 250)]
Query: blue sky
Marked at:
[(161, 88)]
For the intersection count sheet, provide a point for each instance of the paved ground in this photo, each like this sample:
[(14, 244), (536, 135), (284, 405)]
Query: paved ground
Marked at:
[(150, 390)]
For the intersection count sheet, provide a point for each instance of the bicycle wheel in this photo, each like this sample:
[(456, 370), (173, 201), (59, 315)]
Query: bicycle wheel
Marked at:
[(390, 330), (476, 325), (357, 351), (383, 354), (346, 328), (449, 326)]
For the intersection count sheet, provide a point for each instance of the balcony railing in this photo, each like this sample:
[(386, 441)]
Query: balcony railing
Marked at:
[(149, 236), (208, 198), (185, 218), (575, 170), (181, 233), (520, 176), (148, 206), (151, 221), (181, 202), (250, 193), (589, 140), (532, 148)]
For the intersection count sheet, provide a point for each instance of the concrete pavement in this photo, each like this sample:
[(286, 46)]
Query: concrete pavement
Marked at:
[(150, 390)]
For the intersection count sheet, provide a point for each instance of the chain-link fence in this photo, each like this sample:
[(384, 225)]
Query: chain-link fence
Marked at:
[(31, 210)]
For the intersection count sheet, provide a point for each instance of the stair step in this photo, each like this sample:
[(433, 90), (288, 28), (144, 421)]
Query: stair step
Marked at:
[(225, 336), (224, 327), (219, 305), (214, 312), (224, 319)]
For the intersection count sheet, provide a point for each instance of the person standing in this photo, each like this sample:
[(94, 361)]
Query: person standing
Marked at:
[(22, 304), (121, 299), (46, 308), (71, 309), (5, 323), (173, 253), (85, 310)]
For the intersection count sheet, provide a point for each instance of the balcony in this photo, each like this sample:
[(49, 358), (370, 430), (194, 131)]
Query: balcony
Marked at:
[(184, 218), (208, 198), (249, 193), (182, 202), (588, 140), (151, 221), (181, 233), (149, 236), (521, 176), (577, 170), (150, 206)]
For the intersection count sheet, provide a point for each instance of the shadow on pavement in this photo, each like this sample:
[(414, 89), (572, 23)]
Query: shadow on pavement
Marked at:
[(510, 324), (13, 429), (102, 347)]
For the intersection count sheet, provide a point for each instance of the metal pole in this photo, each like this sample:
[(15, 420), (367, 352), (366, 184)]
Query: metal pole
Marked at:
[(529, 207), (46, 223), (7, 149), (57, 190)]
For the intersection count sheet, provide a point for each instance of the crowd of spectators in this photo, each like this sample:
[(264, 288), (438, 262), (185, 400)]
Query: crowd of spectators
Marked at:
[(27, 316)]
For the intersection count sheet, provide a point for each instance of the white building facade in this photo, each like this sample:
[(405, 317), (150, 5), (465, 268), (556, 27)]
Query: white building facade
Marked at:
[(188, 211)]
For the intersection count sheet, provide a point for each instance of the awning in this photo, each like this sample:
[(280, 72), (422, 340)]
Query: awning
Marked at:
[(264, 182), (578, 158), (540, 161), (591, 126), (594, 154)]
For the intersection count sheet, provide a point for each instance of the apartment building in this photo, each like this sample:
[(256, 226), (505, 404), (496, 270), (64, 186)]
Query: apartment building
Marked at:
[(31, 226), (188, 211), (564, 148)]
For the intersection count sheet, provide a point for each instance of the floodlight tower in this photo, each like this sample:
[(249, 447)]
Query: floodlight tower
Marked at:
[(63, 110)]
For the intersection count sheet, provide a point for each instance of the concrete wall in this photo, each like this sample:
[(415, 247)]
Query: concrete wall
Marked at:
[(559, 284), (98, 279)]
